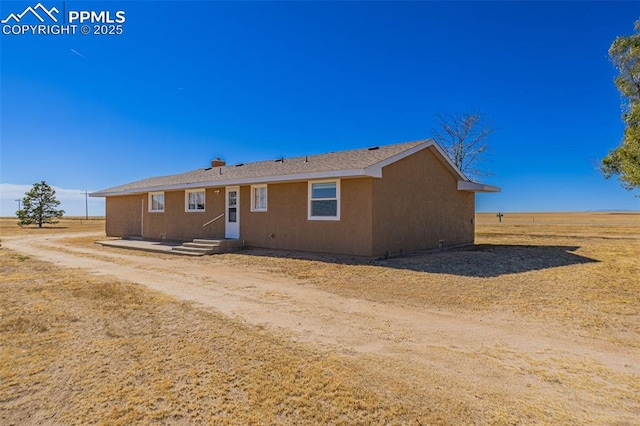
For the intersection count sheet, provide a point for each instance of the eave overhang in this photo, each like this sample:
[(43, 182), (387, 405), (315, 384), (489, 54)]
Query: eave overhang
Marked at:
[(476, 187)]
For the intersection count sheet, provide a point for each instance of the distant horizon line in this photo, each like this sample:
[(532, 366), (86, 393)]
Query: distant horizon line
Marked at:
[(83, 217), (562, 211)]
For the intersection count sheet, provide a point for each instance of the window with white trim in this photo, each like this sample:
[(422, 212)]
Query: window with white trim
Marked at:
[(194, 200), (258, 198), (324, 200), (156, 201)]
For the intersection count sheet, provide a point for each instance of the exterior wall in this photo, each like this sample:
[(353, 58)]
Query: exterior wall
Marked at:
[(127, 215), (285, 225), (178, 225), (416, 204), (123, 216)]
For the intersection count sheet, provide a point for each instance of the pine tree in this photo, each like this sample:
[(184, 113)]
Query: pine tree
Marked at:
[(39, 206)]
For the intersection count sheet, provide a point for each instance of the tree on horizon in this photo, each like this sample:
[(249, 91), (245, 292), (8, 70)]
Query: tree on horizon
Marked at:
[(39, 206)]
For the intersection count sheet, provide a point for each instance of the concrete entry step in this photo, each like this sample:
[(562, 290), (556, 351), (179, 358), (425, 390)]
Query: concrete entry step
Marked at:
[(201, 247), (192, 250)]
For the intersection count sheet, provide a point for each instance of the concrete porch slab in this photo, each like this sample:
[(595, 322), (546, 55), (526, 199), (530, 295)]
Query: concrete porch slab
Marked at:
[(142, 245)]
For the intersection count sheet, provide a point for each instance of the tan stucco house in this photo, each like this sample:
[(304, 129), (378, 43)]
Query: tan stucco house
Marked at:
[(376, 201)]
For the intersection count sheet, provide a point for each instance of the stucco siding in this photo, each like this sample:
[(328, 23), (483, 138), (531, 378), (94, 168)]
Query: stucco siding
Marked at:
[(285, 224), (130, 216), (179, 225), (123, 216), (416, 204)]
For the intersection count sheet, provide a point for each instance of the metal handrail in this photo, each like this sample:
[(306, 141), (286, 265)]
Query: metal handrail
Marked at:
[(212, 220)]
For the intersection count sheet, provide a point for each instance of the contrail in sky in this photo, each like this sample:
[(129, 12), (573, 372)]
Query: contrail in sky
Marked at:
[(78, 53)]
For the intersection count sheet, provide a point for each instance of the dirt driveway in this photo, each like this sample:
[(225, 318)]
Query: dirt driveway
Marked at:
[(473, 356)]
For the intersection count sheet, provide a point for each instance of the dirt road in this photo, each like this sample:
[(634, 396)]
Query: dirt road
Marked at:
[(480, 355)]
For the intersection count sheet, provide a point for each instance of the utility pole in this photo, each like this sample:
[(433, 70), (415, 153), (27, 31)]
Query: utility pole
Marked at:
[(18, 200), (86, 204)]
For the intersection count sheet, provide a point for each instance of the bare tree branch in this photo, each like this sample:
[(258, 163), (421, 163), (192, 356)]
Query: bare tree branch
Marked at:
[(464, 137)]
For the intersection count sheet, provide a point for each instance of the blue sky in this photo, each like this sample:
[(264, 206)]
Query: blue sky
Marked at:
[(190, 81)]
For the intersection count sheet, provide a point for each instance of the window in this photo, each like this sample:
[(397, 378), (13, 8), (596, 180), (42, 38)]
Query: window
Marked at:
[(156, 201), (324, 200), (194, 200), (259, 198)]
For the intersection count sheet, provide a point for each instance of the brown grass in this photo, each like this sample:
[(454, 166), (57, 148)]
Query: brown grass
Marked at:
[(76, 349), (9, 226), (577, 268), (563, 268)]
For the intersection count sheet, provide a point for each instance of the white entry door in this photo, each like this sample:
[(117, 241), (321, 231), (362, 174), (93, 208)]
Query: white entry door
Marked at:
[(232, 212)]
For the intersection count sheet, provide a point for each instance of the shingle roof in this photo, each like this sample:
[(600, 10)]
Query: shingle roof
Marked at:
[(334, 164)]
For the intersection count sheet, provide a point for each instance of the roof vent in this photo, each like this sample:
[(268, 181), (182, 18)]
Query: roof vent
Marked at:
[(280, 160), (240, 165), (373, 148), (208, 168)]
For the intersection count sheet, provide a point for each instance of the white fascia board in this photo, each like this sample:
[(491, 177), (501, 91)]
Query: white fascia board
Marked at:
[(99, 194), (448, 161), (464, 185), (332, 174)]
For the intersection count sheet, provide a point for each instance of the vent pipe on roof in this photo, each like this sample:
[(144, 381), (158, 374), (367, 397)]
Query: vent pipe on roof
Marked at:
[(218, 163)]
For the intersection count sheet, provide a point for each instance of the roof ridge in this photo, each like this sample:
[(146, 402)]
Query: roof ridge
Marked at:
[(345, 151), (351, 162)]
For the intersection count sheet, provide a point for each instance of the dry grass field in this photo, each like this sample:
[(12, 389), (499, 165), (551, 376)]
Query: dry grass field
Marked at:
[(80, 350), (581, 268), (9, 226), (539, 323)]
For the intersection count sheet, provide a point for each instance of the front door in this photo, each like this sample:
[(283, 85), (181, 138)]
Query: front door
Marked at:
[(232, 212)]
